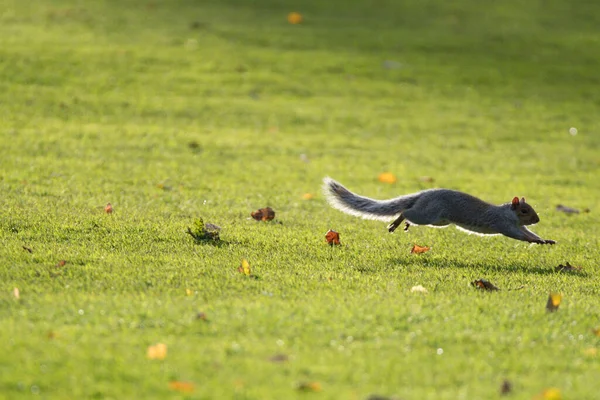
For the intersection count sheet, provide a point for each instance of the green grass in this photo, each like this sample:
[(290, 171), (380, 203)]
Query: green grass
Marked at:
[(100, 101)]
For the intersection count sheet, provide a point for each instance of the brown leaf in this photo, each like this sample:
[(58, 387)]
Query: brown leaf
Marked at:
[(596, 331), (419, 249), (27, 249), (202, 316), (332, 237), (61, 263), (309, 386), (567, 268), (506, 387), (279, 358), (183, 387), (484, 284), (108, 208), (263, 214), (554, 300)]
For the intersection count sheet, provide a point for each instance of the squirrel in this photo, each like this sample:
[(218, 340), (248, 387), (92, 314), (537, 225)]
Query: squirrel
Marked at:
[(440, 208)]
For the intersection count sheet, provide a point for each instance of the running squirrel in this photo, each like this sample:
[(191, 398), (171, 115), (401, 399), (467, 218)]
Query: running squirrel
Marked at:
[(440, 208)]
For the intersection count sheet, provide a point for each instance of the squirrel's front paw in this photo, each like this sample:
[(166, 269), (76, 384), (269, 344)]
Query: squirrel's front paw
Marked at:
[(548, 242)]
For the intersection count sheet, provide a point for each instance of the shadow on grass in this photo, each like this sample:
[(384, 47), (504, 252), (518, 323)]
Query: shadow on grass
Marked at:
[(499, 266)]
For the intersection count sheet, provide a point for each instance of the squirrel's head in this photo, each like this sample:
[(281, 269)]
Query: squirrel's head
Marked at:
[(525, 213)]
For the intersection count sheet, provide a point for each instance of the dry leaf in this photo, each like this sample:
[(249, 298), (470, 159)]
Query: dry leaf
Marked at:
[(553, 302), (484, 284), (332, 237), (183, 387), (418, 288), (294, 18), (506, 387), (567, 268), (596, 331), (188, 292), (278, 358), (418, 249), (16, 293), (201, 316), (157, 351), (61, 263), (308, 196), (108, 208), (27, 249), (427, 179), (549, 394), (51, 335), (387, 177), (244, 268), (309, 386), (263, 214)]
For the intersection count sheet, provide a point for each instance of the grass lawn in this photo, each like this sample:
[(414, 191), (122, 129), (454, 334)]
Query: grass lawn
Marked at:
[(174, 110)]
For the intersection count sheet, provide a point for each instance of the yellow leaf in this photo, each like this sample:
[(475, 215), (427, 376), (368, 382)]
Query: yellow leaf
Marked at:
[(596, 331), (553, 302), (157, 351), (591, 352), (308, 196), (294, 18), (551, 394), (16, 293), (188, 292), (387, 177), (184, 387), (244, 268)]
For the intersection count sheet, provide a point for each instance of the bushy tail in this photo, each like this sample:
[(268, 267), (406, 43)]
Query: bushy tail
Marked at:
[(344, 200)]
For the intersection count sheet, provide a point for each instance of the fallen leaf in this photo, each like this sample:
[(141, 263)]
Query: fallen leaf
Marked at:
[(590, 352), (332, 237), (418, 288), (183, 387), (27, 249), (188, 292), (157, 351), (201, 316), (263, 214), (16, 293), (51, 335), (553, 302), (308, 196), (596, 331), (278, 358), (108, 208), (567, 268), (418, 249), (61, 263), (427, 179), (506, 387), (484, 284), (294, 18), (567, 210), (387, 177), (549, 394), (244, 268), (309, 386)]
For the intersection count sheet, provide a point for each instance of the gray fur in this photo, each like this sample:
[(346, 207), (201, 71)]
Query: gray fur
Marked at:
[(439, 208)]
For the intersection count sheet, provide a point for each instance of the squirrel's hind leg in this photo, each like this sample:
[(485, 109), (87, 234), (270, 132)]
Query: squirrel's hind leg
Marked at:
[(392, 227)]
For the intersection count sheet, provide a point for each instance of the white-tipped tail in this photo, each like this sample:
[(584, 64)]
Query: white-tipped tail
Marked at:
[(344, 200)]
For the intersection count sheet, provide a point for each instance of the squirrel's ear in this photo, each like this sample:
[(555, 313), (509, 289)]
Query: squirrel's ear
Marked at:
[(522, 199), (515, 203)]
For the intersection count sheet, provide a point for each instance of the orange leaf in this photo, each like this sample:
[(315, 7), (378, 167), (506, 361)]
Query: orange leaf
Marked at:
[(387, 177), (184, 387), (263, 214), (61, 263), (308, 196), (418, 249), (108, 208), (294, 18), (244, 268), (157, 351), (309, 386), (553, 302), (332, 237)]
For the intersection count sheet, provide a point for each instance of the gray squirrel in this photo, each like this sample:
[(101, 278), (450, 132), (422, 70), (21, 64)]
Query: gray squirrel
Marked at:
[(440, 208)]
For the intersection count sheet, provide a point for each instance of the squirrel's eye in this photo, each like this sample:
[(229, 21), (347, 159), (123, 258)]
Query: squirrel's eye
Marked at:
[(523, 211)]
